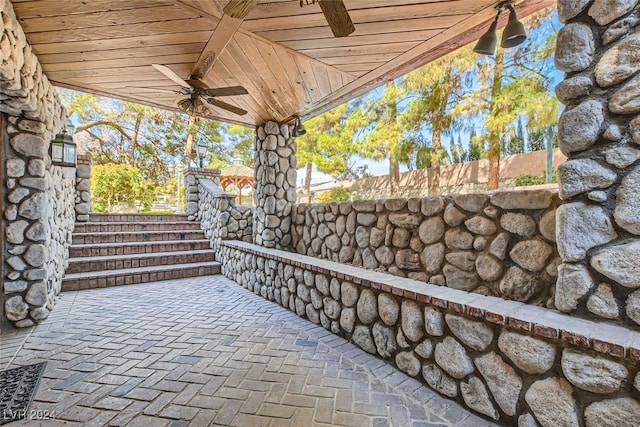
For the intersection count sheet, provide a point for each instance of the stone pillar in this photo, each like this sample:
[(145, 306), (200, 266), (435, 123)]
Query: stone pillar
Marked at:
[(275, 192), (83, 187), (598, 226), (191, 181)]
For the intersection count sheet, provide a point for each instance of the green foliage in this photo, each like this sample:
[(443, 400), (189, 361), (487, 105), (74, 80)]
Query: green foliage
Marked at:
[(113, 183), (526, 179), (148, 138), (433, 90), (328, 143), (336, 194)]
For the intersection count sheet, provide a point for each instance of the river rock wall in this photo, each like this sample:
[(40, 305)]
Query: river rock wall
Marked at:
[(501, 245), (599, 131), (275, 191), (39, 203), (219, 216), (510, 362)]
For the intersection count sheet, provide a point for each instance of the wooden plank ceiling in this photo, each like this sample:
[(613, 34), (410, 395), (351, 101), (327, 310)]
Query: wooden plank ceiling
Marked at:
[(283, 54)]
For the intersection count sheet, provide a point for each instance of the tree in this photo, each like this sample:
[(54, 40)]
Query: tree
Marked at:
[(121, 132), (328, 144), (435, 89), (512, 84), (381, 132), (240, 143), (113, 183)]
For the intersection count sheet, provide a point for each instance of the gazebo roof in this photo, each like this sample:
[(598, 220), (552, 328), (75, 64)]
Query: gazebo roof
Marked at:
[(283, 54), (237, 171)]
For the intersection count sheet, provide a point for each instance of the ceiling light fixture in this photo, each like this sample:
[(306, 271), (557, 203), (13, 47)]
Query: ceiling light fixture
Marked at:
[(298, 128)]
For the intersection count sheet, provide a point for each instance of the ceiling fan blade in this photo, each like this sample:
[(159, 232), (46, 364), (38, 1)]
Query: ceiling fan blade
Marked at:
[(227, 91), (337, 17), (220, 104), (239, 9), (168, 72)]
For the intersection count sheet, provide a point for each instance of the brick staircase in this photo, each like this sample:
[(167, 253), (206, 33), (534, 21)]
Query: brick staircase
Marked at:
[(123, 249)]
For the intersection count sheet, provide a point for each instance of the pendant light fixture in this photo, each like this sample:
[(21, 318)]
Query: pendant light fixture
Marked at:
[(298, 128), (513, 35)]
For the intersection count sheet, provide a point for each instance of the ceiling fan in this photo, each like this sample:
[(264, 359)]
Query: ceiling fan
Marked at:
[(200, 99), (336, 14)]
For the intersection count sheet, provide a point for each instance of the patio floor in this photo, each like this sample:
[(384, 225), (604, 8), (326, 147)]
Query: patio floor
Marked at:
[(204, 351)]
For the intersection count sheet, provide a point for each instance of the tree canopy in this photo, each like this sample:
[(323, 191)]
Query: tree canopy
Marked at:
[(149, 138)]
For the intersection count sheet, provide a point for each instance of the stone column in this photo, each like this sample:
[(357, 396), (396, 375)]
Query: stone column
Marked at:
[(191, 177), (83, 187), (598, 226), (275, 192)]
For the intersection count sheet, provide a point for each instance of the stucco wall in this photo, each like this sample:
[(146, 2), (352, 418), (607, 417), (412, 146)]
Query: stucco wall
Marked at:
[(468, 177)]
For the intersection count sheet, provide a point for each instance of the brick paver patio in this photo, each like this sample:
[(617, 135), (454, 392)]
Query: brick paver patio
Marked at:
[(204, 351)]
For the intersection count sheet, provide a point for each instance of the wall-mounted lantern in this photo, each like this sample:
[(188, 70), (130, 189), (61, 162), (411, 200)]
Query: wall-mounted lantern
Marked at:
[(63, 149)]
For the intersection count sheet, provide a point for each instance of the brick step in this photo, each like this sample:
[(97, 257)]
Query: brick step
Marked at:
[(111, 227), (118, 262), (106, 249), (135, 236), (112, 217), (129, 276)]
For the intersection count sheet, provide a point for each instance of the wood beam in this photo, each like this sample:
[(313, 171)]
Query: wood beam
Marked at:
[(234, 14), (224, 32)]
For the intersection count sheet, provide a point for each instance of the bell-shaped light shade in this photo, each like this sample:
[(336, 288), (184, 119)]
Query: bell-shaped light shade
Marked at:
[(298, 128), (514, 33), (487, 43)]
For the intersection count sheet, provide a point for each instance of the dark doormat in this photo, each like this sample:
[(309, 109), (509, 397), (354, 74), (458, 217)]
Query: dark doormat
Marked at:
[(17, 388)]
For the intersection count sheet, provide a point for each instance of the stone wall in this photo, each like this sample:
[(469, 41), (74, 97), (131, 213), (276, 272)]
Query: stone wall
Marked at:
[(599, 223), (219, 216), (511, 362), (83, 187), (38, 210), (192, 177), (501, 245), (275, 191)]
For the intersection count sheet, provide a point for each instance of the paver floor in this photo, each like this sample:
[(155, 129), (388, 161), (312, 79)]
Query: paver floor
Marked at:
[(204, 351)]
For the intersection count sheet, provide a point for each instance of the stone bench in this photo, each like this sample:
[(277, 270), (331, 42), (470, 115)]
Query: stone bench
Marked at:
[(503, 359)]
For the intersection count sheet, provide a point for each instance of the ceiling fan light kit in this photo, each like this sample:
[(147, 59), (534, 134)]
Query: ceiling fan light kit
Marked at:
[(514, 32), (202, 100)]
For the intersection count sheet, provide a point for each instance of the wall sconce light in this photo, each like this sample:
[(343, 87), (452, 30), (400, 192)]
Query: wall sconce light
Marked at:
[(63, 149), (298, 128), (514, 33)]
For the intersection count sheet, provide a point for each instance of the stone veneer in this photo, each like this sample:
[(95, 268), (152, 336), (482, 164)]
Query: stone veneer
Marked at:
[(192, 177), (511, 362), (38, 210), (219, 216), (275, 188), (83, 187), (599, 131), (501, 245)]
